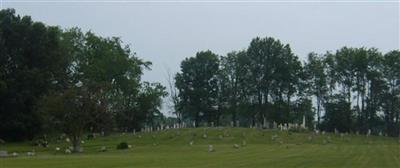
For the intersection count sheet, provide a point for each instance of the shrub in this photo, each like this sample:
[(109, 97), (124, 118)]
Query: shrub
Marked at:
[(123, 145)]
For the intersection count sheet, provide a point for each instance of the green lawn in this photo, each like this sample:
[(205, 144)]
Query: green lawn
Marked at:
[(172, 149)]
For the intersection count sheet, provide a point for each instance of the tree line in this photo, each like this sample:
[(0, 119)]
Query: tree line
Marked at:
[(54, 80), (350, 90)]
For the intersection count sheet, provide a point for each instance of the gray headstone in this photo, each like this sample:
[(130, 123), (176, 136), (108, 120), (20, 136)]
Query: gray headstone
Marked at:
[(103, 149), (211, 148), (3, 153)]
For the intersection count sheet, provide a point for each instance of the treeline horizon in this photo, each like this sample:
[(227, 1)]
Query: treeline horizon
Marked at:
[(355, 90), (55, 80)]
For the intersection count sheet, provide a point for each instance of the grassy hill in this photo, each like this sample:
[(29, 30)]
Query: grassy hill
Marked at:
[(258, 148)]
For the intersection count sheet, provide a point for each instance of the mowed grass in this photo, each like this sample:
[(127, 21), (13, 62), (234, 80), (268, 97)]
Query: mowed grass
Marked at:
[(170, 148)]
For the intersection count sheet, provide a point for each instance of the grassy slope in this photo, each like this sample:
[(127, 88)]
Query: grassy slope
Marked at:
[(173, 150)]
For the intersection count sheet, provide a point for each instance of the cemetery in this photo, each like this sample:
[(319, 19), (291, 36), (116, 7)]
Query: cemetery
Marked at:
[(239, 147), (197, 84)]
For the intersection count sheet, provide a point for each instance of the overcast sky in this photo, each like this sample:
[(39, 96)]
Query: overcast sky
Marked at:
[(167, 32)]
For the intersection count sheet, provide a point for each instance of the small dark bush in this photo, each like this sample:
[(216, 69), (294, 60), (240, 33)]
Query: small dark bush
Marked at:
[(123, 145)]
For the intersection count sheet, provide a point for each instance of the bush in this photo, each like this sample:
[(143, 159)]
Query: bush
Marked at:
[(123, 145)]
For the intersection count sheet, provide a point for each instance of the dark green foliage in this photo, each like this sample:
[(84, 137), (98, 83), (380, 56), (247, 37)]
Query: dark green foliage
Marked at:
[(69, 81), (31, 64), (198, 87), (338, 115), (122, 145)]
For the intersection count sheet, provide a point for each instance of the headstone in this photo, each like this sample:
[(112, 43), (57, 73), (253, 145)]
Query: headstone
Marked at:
[(57, 149), (220, 137), (380, 133), (236, 146), (3, 153), (212, 124), (310, 138), (232, 124), (237, 123), (67, 140), (274, 137), (14, 154), (303, 125), (30, 153), (211, 148), (103, 149), (191, 143), (244, 143), (67, 151), (204, 136)]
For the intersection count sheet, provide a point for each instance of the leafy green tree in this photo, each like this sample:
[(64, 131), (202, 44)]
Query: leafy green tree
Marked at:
[(317, 80), (232, 83), (197, 84), (31, 64), (391, 105), (338, 115)]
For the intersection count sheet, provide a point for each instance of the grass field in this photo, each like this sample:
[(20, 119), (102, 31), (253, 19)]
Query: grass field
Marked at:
[(171, 148)]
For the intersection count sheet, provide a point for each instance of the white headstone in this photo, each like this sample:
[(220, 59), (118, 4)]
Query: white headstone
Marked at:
[(303, 125), (3, 153), (210, 148)]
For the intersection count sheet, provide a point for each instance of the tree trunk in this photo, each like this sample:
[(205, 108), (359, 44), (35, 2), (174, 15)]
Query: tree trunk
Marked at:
[(76, 144)]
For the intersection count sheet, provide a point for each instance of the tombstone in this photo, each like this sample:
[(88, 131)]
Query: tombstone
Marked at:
[(303, 125), (58, 149), (30, 153), (205, 136), (103, 149), (194, 124), (82, 142), (211, 148), (129, 146), (220, 137), (237, 123), (310, 138), (212, 124), (14, 154), (67, 151), (316, 132), (244, 143), (3, 153), (336, 131), (232, 124), (323, 132), (191, 143), (380, 133), (67, 140), (236, 146), (274, 137), (369, 133)]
